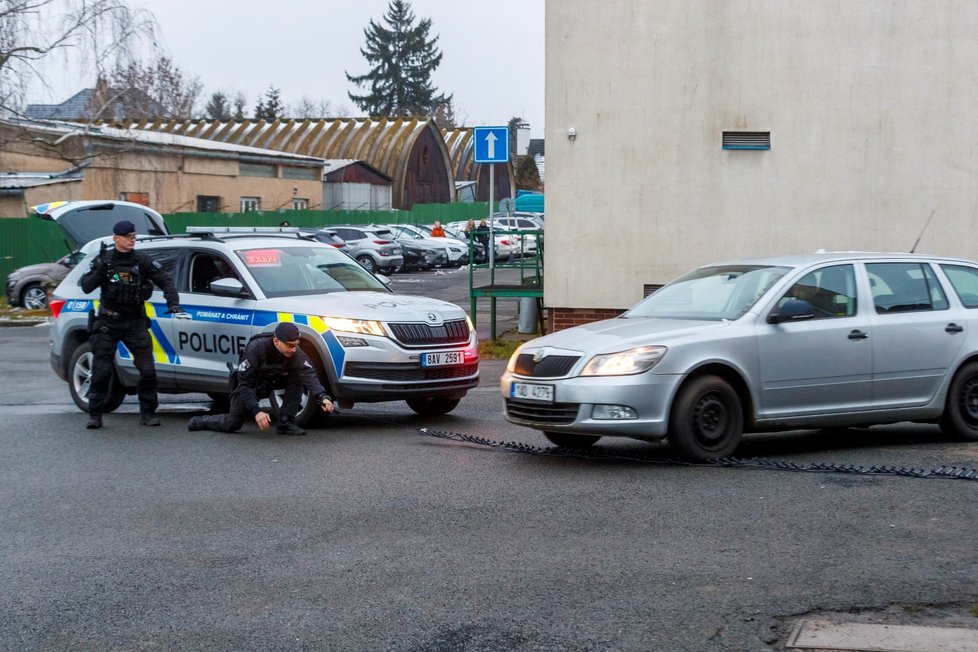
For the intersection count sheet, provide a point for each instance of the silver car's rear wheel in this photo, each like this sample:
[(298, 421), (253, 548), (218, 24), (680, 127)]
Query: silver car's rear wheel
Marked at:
[(960, 418), (34, 297), (706, 420)]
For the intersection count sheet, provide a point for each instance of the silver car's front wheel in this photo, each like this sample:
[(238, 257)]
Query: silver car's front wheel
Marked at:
[(707, 419)]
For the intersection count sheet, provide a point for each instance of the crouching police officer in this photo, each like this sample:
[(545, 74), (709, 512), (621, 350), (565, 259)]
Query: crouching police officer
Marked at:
[(269, 360), (126, 279)]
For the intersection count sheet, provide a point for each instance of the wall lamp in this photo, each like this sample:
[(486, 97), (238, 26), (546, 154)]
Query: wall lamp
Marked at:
[(571, 133)]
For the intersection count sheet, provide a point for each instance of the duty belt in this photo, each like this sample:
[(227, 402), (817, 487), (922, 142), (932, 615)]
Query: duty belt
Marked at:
[(115, 314)]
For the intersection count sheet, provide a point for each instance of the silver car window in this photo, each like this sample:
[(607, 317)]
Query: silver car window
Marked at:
[(292, 271), (722, 292), (964, 280), (905, 287), (831, 291)]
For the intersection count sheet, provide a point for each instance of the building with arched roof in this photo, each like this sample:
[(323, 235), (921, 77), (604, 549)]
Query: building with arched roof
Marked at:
[(460, 144), (411, 151)]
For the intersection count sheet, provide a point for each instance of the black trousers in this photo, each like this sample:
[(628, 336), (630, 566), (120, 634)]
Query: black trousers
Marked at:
[(134, 333), (238, 414)]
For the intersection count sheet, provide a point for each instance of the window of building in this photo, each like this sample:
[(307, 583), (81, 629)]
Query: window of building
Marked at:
[(747, 140), (250, 204), (208, 204), (257, 170), (303, 173), (135, 197), (299, 204)]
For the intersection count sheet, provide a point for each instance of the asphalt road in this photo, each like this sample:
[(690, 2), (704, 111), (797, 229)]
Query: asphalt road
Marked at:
[(367, 535)]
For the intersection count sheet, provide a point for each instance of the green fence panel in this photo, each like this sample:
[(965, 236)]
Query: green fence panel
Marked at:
[(24, 241)]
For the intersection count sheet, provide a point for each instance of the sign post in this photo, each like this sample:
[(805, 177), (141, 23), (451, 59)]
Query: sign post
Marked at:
[(491, 146)]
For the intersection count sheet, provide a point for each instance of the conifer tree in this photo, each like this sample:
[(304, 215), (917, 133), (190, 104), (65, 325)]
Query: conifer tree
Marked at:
[(402, 58)]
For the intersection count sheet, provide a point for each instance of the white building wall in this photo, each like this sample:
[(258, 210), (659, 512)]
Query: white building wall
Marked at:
[(870, 106)]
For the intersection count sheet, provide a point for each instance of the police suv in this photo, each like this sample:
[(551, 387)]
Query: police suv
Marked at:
[(368, 344)]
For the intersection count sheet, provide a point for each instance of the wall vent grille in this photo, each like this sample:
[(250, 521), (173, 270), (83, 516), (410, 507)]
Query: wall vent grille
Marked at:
[(747, 140)]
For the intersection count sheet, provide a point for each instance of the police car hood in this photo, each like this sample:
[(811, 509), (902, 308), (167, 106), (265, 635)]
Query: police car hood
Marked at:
[(379, 306), (622, 333)]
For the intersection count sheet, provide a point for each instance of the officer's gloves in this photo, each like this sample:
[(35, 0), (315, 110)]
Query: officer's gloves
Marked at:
[(173, 310)]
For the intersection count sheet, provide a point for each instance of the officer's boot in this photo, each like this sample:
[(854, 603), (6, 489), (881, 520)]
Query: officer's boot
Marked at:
[(148, 419), (197, 423), (286, 426), (94, 421)]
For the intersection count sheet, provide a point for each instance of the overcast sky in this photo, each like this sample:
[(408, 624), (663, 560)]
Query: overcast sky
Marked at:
[(493, 53)]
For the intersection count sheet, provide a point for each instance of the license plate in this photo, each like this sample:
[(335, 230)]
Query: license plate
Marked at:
[(530, 392), (442, 359)]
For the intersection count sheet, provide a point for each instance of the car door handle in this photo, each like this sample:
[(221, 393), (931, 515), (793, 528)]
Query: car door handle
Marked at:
[(182, 315), (953, 328), (857, 335)]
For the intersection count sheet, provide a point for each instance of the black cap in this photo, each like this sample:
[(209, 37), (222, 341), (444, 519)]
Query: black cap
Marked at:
[(125, 227), (287, 332)]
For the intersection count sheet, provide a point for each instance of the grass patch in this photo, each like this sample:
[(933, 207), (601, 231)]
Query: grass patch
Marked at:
[(497, 349)]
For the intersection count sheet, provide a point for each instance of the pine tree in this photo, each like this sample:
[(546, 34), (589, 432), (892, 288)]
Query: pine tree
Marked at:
[(218, 108), (527, 174), (270, 108), (402, 59)]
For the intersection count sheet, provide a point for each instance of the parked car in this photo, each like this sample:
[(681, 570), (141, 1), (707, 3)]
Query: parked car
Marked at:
[(366, 343), (406, 235), (478, 250), (506, 243), (455, 250), (330, 237), (372, 246), (813, 341), (28, 286), (80, 221)]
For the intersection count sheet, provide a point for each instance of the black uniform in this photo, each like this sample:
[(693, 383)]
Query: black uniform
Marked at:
[(126, 281), (262, 369)]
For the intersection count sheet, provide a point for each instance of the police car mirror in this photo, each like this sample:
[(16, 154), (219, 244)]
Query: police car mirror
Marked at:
[(228, 287), (383, 279)]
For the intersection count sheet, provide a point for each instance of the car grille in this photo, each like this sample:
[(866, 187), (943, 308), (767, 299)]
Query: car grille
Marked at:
[(550, 367), (555, 413), (407, 372), (451, 332)]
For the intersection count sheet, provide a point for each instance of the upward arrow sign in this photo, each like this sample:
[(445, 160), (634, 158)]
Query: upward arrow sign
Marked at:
[(491, 144)]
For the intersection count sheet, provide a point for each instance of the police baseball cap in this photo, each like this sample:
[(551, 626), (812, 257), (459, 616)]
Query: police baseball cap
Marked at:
[(287, 332), (124, 227)]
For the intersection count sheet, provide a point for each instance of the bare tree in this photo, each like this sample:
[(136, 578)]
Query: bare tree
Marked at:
[(98, 34), (156, 90), (308, 108)]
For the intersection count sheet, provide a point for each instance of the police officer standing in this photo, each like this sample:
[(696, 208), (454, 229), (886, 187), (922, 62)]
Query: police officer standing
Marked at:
[(269, 361), (126, 279)]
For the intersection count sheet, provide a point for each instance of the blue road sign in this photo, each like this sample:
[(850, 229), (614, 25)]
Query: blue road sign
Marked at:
[(491, 144)]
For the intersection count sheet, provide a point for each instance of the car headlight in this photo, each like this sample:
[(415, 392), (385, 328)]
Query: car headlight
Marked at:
[(13, 276), (623, 363), (360, 326), (511, 365)]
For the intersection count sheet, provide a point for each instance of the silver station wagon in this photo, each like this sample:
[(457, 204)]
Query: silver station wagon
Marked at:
[(808, 341)]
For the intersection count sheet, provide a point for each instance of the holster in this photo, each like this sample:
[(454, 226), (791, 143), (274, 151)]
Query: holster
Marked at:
[(92, 322)]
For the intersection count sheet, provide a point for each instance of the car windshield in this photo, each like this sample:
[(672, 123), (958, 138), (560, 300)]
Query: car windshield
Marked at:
[(722, 292), (290, 271)]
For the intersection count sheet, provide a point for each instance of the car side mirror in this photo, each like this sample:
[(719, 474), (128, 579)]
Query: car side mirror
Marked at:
[(792, 310), (383, 279), (228, 287)]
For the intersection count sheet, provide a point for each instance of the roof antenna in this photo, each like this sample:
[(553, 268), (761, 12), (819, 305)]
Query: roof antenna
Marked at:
[(914, 247)]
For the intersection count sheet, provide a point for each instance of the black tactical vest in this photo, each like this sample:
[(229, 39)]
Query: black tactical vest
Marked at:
[(122, 284)]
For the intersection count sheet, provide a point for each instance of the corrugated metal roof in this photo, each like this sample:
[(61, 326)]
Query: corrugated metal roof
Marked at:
[(383, 143), (21, 181), (150, 137)]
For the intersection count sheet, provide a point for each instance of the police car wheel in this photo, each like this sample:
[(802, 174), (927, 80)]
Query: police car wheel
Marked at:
[(433, 406), (80, 380), (310, 415)]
